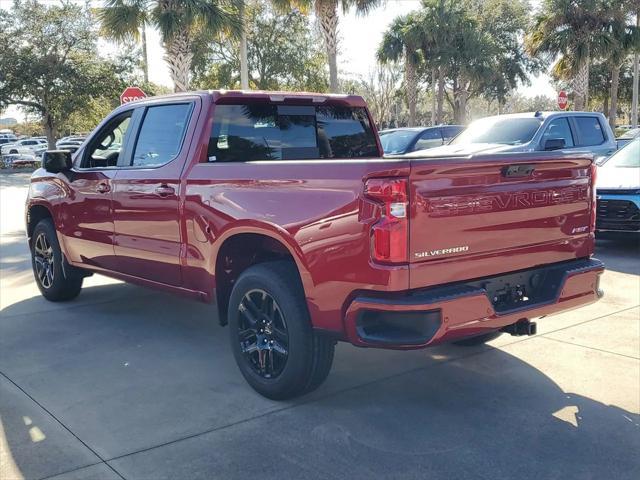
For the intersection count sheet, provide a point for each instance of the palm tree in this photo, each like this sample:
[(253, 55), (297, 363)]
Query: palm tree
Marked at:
[(438, 19), (575, 31), (625, 38), (401, 43), (177, 21), (244, 61), (327, 16)]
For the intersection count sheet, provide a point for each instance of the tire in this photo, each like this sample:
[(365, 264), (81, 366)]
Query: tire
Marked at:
[(55, 284), (478, 340), (268, 316)]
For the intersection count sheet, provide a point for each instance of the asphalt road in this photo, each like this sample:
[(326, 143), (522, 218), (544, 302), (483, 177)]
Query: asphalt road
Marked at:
[(129, 383)]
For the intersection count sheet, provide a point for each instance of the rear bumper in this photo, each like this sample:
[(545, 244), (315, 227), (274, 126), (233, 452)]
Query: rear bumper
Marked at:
[(442, 314)]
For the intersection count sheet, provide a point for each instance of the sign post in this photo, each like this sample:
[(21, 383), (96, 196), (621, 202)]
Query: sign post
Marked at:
[(131, 94), (563, 100)]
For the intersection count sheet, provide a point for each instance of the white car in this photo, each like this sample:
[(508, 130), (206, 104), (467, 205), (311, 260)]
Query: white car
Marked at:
[(618, 191), (25, 146)]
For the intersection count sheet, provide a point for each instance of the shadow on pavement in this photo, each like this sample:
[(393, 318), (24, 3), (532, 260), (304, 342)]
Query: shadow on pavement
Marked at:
[(15, 259), (150, 369), (620, 252)]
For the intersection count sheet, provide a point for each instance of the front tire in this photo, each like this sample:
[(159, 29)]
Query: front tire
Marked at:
[(55, 284), (274, 345)]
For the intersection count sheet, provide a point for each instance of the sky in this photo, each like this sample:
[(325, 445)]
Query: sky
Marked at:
[(359, 39)]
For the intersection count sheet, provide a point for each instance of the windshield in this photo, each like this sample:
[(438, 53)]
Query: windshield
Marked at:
[(627, 157), (503, 130), (396, 141), (630, 134)]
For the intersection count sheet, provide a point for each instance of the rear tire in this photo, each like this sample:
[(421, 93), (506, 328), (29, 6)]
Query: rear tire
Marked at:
[(478, 340), (55, 284), (273, 343)]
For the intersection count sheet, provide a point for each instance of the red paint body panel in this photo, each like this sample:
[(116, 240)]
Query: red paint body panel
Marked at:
[(317, 211), (500, 223)]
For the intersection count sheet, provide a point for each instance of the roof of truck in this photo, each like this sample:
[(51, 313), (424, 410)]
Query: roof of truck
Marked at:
[(223, 96)]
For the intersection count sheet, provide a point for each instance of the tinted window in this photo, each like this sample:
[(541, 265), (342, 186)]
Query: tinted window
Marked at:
[(449, 132), (590, 131), (161, 134), (269, 132), (429, 139), (558, 128)]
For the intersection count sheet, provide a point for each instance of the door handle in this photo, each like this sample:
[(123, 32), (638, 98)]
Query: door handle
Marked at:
[(103, 188), (165, 190)]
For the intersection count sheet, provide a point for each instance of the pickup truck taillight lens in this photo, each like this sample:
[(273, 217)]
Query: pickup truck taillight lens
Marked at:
[(389, 235), (594, 174)]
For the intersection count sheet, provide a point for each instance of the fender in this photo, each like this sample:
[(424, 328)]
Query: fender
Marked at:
[(269, 230)]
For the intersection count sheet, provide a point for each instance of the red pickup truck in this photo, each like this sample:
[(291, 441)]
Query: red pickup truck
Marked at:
[(281, 209)]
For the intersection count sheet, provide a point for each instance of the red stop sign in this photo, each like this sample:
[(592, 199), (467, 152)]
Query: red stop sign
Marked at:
[(563, 100), (131, 94)]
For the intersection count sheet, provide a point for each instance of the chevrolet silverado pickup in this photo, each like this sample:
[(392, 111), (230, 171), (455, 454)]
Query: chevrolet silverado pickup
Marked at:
[(281, 209)]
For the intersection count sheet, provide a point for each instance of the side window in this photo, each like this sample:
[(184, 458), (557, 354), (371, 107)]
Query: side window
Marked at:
[(429, 139), (590, 131), (558, 128), (105, 148), (161, 134)]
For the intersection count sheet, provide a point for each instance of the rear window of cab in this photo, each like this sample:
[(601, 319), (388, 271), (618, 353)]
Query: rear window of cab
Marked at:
[(251, 132)]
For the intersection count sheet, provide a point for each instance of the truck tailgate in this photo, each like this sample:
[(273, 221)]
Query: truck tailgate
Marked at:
[(487, 214)]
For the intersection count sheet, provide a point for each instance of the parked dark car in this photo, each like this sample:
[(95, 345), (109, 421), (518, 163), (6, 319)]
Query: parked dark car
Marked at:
[(398, 141)]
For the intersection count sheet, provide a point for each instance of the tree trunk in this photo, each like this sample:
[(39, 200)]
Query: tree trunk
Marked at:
[(460, 104), (411, 85), (145, 58), (605, 105), (613, 109), (327, 14), (581, 86), (434, 76), (49, 130), (244, 62), (439, 118), (178, 58), (636, 82)]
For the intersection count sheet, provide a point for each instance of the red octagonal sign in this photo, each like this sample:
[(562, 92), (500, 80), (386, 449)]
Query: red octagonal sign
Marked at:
[(131, 94), (562, 100)]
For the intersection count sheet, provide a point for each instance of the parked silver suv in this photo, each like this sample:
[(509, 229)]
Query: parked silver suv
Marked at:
[(531, 132)]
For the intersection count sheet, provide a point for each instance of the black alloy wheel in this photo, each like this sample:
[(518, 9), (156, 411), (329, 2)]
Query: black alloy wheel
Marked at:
[(262, 333), (43, 258)]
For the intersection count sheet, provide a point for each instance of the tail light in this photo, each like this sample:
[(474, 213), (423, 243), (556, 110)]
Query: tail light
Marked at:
[(390, 234), (594, 174)]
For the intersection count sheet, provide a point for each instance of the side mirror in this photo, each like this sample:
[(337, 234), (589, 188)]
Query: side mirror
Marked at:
[(554, 144), (56, 161)]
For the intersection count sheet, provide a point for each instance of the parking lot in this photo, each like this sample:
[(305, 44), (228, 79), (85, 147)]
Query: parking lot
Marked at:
[(130, 383)]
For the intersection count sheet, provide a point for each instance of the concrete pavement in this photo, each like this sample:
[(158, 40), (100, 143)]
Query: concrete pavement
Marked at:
[(130, 383)]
